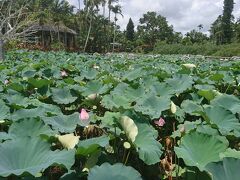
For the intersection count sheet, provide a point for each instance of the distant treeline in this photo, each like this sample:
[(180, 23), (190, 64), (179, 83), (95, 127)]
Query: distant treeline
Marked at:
[(97, 31)]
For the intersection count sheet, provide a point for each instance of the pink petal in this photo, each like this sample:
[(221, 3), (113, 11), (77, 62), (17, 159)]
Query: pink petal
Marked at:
[(84, 115), (63, 73), (6, 81), (160, 122)]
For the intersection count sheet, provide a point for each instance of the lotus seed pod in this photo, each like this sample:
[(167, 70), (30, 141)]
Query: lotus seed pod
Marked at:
[(127, 145)]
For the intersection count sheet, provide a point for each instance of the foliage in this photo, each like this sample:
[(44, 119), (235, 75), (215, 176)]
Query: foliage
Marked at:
[(154, 27), (148, 117), (227, 21), (130, 30), (207, 49)]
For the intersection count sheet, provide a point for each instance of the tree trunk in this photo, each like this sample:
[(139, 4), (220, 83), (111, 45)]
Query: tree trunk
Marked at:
[(114, 32), (89, 31), (2, 52)]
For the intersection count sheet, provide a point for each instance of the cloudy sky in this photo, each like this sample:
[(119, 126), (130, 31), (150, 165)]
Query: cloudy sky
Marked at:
[(184, 15)]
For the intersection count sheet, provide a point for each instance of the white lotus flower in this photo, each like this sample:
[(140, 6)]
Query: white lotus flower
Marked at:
[(68, 141), (173, 108), (92, 96), (2, 121), (129, 127), (190, 66)]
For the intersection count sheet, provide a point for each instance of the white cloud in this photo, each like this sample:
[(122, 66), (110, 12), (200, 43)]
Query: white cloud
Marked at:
[(184, 15)]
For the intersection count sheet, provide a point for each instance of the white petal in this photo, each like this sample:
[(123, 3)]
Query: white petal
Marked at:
[(190, 66), (68, 141), (129, 128), (173, 108)]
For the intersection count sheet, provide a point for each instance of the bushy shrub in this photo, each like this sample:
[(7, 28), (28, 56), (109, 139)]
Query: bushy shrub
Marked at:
[(208, 49)]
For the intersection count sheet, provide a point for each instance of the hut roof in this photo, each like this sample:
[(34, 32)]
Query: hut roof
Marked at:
[(54, 28)]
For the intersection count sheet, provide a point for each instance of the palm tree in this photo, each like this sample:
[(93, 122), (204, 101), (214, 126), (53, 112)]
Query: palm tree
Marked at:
[(90, 5), (117, 9), (110, 2), (104, 7), (200, 27)]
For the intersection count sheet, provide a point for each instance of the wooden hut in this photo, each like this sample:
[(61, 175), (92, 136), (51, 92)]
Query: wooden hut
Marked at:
[(48, 34)]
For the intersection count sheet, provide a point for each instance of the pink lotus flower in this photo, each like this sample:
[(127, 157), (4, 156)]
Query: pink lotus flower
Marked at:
[(160, 122), (84, 118), (83, 115), (6, 81), (64, 73)]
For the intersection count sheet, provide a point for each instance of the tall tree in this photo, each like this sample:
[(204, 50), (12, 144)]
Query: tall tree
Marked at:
[(227, 21), (200, 27), (130, 30), (216, 33), (153, 28), (110, 6), (197, 36), (15, 22), (117, 9)]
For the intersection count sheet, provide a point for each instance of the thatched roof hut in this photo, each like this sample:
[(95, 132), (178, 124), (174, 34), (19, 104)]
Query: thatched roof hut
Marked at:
[(48, 33), (53, 28)]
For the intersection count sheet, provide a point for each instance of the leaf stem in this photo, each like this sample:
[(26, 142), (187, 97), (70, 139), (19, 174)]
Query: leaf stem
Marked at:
[(127, 157)]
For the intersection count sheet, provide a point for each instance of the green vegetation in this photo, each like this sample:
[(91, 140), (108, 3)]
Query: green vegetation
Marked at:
[(207, 49), (73, 116), (98, 31)]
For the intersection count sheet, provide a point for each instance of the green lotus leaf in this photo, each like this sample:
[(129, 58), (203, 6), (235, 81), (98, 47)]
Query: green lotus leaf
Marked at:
[(4, 110), (117, 172), (153, 105), (133, 74), (207, 129), (233, 153), (191, 107), (89, 74), (89, 146), (224, 119), (228, 169), (129, 93), (162, 89), (29, 73), (29, 128), (148, 148), (229, 102), (16, 86), (208, 94), (39, 83), (115, 101), (197, 149), (216, 77), (94, 87), (180, 83), (18, 100), (63, 123), (110, 118), (31, 155), (63, 96), (41, 111), (4, 136)]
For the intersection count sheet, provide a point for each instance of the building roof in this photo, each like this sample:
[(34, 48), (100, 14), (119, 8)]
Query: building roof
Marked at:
[(54, 28)]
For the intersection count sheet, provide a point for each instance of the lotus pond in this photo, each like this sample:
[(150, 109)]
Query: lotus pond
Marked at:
[(123, 117)]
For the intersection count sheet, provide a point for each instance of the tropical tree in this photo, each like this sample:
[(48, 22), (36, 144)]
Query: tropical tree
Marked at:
[(110, 6), (197, 37), (200, 27), (216, 33), (153, 28), (130, 30), (117, 9), (227, 18)]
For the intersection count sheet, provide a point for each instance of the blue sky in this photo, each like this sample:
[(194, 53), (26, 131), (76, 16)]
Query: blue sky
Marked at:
[(184, 15)]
